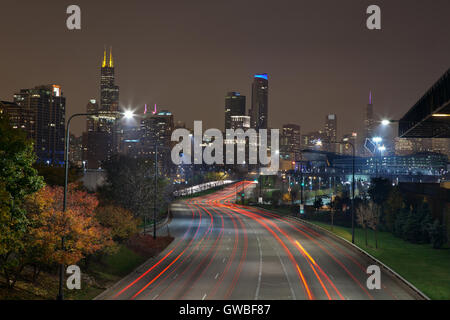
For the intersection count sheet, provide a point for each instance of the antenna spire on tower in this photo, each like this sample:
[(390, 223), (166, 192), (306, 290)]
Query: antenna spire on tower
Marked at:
[(111, 63), (104, 58)]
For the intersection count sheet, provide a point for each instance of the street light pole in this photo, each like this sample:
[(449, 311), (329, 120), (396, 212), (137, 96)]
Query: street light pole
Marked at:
[(353, 184), (66, 178), (156, 190), (353, 192), (60, 295), (301, 179)]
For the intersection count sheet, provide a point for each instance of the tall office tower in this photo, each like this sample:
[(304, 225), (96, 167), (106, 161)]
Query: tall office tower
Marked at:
[(331, 132), (290, 142), (109, 92), (109, 104), (104, 130), (18, 117), (346, 148), (92, 121), (76, 150), (314, 140), (259, 112), (156, 131), (98, 144), (369, 122), (239, 122), (369, 127), (42, 115), (234, 106)]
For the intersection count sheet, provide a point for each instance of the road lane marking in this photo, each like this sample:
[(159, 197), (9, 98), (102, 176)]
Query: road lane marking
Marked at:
[(287, 277), (204, 297), (216, 276), (258, 286), (223, 260), (175, 276), (155, 297)]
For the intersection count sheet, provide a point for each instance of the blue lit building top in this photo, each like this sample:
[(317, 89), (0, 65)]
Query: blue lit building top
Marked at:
[(262, 76)]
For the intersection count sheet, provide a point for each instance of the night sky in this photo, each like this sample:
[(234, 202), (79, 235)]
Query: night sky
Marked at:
[(186, 55)]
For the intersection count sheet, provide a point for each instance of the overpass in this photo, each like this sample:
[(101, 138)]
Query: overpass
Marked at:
[(430, 116)]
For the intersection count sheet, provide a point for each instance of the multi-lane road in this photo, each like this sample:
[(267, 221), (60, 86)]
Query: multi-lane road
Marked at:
[(227, 251)]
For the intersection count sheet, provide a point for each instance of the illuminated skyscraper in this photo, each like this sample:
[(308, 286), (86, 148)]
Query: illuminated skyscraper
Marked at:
[(234, 106), (109, 92), (369, 122), (43, 117), (104, 131), (369, 128), (346, 148), (290, 144), (259, 112), (331, 132), (156, 131)]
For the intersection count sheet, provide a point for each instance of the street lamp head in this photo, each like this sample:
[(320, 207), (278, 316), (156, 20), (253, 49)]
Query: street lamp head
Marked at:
[(382, 148), (128, 114), (385, 122), (377, 139)]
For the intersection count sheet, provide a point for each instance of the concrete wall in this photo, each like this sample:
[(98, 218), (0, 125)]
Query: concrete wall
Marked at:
[(92, 179)]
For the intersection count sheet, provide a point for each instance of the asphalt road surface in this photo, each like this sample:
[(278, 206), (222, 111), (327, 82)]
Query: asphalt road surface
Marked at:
[(226, 251)]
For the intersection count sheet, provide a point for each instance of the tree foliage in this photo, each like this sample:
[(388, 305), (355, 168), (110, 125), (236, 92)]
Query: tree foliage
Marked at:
[(18, 179), (82, 232), (131, 185), (54, 176), (379, 190), (393, 207), (120, 221), (438, 234), (318, 203)]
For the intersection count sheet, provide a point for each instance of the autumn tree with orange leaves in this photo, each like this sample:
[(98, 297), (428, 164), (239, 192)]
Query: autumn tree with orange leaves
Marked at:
[(83, 234), (47, 224)]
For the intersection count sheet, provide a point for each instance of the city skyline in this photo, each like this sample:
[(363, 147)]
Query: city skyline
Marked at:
[(225, 151), (151, 71)]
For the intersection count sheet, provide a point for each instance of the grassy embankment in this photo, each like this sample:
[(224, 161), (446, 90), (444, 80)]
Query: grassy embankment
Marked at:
[(426, 268)]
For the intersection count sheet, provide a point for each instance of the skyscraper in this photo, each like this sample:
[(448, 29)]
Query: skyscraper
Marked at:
[(331, 132), (92, 122), (313, 140), (42, 114), (234, 106), (259, 112), (109, 92), (369, 121), (103, 130), (290, 144), (369, 128), (156, 130), (346, 148)]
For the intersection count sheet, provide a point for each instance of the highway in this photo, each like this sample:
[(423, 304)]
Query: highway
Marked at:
[(226, 251)]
